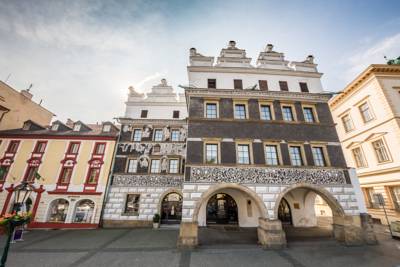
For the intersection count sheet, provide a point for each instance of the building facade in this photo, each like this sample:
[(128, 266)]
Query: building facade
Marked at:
[(150, 159), (261, 147), (367, 117), (18, 107), (68, 167)]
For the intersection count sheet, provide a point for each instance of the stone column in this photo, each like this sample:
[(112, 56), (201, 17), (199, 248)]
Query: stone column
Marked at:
[(368, 229), (271, 234), (354, 230), (188, 235)]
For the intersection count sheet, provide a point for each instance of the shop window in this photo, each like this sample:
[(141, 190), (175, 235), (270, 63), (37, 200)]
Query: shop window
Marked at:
[(58, 210), (132, 204), (84, 211)]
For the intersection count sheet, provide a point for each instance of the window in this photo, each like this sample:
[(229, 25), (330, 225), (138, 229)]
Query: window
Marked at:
[(77, 127), (265, 112), (287, 113), (137, 135), (243, 154), (3, 172), (99, 149), (212, 83), (132, 204), (237, 84), (155, 166), (283, 86), (84, 211), (143, 113), (271, 155), (380, 151), (366, 113), (240, 111), (358, 157), (132, 166), (58, 210), (303, 87), (318, 155), (296, 158), (65, 175), (347, 123), (211, 110), (173, 166), (106, 128), (175, 114), (158, 135), (31, 173), (73, 148), (395, 191), (308, 114), (175, 135), (93, 175), (263, 84), (370, 198), (54, 127), (40, 147), (212, 153), (13, 147)]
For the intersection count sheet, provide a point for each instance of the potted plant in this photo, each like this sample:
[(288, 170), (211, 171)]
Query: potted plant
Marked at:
[(156, 220)]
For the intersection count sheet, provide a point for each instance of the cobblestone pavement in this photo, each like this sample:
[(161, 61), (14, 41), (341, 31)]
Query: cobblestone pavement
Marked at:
[(148, 247)]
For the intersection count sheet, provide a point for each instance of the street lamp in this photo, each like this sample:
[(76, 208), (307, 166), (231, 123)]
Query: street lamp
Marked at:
[(22, 193)]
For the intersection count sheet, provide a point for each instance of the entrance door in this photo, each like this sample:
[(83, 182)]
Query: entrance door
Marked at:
[(284, 213), (171, 209), (222, 209)]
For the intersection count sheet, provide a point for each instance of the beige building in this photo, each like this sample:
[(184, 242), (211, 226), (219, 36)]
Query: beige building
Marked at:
[(18, 107), (367, 117)]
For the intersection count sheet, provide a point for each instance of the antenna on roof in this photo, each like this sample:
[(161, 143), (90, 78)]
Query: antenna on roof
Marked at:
[(41, 100), (30, 87), (8, 77)]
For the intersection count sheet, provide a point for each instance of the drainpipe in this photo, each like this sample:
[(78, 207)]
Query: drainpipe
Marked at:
[(107, 189)]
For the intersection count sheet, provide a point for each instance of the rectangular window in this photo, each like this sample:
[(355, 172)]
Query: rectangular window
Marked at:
[(358, 157), (240, 111), (99, 149), (395, 191), (211, 111), (271, 155), (175, 114), (347, 123), (243, 154), (93, 175), (175, 135), (308, 114), (283, 86), (73, 148), (212, 83), (173, 166), (158, 135), (132, 204), (137, 135), (3, 172), (303, 87), (132, 166), (265, 111), (40, 147), (237, 84), (370, 198), (143, 113), (296, 158), (155, 166), (318, 155), (212, 153), (30, 174), (65, 175), (287, 113), (263, 84), (380, 151), (366, 113), (13, 147)]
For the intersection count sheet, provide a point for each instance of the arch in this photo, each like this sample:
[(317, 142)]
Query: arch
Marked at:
[(171, 209), (164, 194), (49, 210), (213, 189), (336, 208), (82, 214), (230, 210)]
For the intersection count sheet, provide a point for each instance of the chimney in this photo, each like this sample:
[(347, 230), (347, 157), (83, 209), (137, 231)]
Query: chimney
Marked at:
[(69, 123), (232, 44), (269, 47), (26, 93), (193, 51), (310, 59)]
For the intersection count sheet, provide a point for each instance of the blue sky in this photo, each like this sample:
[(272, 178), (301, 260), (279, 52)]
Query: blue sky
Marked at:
[(81, 56)]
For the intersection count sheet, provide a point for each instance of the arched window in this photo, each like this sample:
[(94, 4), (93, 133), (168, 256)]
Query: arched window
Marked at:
[(84, 211), (58, 210)]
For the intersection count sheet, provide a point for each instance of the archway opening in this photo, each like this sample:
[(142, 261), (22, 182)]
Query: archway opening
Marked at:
[(171, 209), (284, 212), (84, 211), (222, 209), (58, 210)]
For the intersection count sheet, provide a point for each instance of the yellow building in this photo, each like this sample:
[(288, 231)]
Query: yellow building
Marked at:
[(367, 117), (18, 107), (68, 165)]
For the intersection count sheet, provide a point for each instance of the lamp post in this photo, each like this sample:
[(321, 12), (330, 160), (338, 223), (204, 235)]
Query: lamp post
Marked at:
[(22, 193)]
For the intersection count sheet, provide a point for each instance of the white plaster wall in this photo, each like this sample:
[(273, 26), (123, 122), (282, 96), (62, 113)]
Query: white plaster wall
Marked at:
[(305, 215), (225, 80), (392, 94), (156, 112)]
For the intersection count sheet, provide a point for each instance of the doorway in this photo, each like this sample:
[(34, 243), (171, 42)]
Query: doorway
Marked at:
[(171, 209), (222, 209), (284, 212)]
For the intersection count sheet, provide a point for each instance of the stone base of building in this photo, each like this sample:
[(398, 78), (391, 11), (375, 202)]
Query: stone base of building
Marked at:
[(126, 224), (188, 235), (354, 230), (270, 234)]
